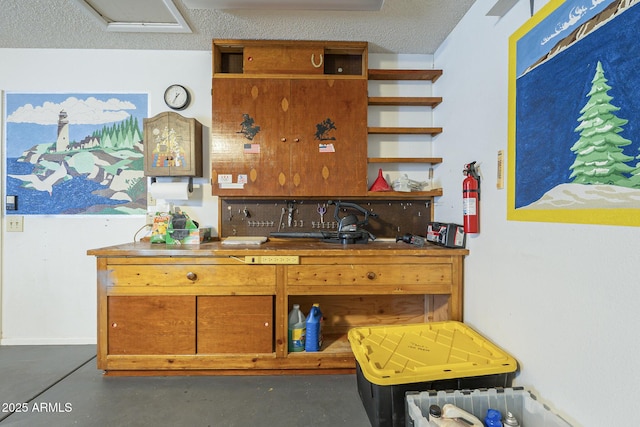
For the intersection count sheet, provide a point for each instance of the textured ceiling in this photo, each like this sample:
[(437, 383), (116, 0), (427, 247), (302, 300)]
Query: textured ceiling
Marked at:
[(402, 26)]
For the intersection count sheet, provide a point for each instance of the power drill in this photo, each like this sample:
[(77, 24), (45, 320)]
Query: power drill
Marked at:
[(412, 239)]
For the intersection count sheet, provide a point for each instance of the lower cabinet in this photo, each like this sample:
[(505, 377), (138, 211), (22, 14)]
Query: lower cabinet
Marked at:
[(235, 324), (152, 325), (206, 311), (190, 325)]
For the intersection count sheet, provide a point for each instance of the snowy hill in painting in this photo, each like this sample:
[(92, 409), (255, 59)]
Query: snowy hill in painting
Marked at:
[(581, 196)]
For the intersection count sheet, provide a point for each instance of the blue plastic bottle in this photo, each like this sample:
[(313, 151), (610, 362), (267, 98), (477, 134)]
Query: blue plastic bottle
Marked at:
[(493, 418), (313, 339)]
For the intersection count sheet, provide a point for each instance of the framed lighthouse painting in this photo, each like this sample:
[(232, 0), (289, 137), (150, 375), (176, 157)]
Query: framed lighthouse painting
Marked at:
[(574, 114), (75, 154)]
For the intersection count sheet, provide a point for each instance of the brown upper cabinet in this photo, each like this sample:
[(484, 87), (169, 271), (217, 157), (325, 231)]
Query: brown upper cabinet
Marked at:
[(280, 127), (290, 57)]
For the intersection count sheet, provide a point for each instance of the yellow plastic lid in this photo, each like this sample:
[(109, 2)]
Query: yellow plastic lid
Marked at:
[(403, 354)]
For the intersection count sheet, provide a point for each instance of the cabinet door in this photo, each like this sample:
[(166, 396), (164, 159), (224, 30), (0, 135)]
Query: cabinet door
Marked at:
[(151, 325), (329, 130), (283, 59), (304, 137), (235, 324), (172, 146), (249, 137)]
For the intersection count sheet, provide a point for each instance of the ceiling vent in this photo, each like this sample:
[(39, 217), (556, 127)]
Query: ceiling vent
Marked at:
[(153, 16), (353, 5)]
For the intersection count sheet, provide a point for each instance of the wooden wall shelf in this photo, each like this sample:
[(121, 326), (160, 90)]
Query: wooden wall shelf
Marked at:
[(432, 75), (426, 101), (432, 160), (436, 192), (405, 130)]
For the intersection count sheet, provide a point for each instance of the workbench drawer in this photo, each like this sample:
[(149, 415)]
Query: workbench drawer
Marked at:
[(239, 277), (370, 274)]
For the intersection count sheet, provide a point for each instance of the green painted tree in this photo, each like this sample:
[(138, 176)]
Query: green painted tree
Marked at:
[(634, 181), (599, 158)]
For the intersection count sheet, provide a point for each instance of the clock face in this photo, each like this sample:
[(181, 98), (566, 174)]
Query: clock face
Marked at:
[(177, 97)]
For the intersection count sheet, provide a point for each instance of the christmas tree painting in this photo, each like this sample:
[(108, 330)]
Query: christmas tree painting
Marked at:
[(599, 158)]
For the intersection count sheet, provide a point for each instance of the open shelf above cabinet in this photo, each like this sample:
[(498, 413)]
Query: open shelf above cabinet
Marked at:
[(405, 130), (426, 101), (384, 195), (422, 101), (431, 160), (432, 75)]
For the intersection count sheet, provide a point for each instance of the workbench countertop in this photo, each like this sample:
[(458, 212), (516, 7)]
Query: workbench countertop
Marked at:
[(301, 247)]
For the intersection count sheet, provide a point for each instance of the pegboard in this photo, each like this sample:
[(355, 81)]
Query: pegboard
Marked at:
[(252, 217)]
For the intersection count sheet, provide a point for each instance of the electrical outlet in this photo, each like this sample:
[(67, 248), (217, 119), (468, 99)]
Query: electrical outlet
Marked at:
[(15, 223), (272, 259)]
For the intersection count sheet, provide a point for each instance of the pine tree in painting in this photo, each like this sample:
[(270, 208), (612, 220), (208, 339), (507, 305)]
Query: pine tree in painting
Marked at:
[(599, 158)]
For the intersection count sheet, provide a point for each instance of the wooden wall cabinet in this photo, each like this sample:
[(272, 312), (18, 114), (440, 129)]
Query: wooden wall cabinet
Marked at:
[(172, 145), (288, 57), (295, 137), (203, 310), (283, 126)]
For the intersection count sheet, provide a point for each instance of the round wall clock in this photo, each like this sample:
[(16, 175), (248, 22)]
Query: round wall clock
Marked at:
[(177, 97)]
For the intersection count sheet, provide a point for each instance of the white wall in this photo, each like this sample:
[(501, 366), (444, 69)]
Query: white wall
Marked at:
[(48, 281), (561, 298)]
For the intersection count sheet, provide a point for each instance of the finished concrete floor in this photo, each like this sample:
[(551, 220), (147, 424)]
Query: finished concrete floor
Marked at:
[(60, 386)]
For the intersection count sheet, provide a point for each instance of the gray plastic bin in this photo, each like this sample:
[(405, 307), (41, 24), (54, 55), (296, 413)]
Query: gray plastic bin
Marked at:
[(522, 404)]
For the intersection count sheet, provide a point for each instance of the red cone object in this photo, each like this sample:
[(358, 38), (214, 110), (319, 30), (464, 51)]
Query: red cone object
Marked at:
[(380, 183)]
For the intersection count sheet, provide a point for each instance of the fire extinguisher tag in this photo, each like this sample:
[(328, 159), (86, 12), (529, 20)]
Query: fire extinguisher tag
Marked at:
[(469, 206)]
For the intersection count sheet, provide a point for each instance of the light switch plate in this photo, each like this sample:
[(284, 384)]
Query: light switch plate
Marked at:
[(15, 223)]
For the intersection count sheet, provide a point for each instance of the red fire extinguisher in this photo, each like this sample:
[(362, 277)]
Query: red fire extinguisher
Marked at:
[(471, 199)]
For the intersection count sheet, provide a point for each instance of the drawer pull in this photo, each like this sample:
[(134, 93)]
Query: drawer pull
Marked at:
[(192, 276), (371, 275)]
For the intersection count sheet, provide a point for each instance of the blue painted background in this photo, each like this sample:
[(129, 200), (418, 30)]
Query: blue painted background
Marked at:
[(549, 99)]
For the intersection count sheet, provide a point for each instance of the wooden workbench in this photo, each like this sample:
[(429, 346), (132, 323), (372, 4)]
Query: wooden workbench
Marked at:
[(216, 309)]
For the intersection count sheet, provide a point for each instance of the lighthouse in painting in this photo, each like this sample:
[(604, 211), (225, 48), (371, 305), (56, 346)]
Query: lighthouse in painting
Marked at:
[(63, 132)]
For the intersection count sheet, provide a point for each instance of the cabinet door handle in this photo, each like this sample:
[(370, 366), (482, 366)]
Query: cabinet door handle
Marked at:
[(296, 139), (283, 139), (192, 276), (371, 275)]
